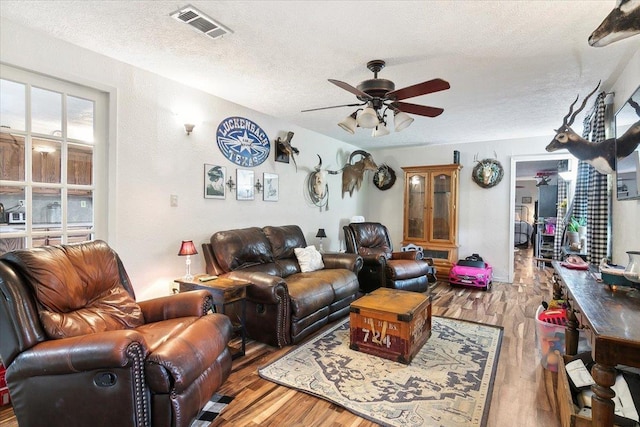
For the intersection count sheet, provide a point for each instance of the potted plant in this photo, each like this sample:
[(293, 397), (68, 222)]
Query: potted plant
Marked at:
[(575, 228)]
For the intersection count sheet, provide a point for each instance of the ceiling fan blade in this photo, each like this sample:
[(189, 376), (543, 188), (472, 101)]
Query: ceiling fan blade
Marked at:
[(349, 88), (335, 106), (423, 88), (421, 110)]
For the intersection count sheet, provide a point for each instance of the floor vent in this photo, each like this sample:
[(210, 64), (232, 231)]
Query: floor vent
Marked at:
[(201, 22)]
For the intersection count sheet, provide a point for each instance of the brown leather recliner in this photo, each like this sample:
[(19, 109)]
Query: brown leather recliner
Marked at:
[(382, 266), (80, 351)]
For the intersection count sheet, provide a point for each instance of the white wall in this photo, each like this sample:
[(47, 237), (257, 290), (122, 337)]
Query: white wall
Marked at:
[(626, 214), (152, 158)]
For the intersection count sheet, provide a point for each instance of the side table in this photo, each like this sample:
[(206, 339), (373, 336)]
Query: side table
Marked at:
[(224, 292)]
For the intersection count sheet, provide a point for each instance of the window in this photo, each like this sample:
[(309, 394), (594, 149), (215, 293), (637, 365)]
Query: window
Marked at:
[(52, 148)]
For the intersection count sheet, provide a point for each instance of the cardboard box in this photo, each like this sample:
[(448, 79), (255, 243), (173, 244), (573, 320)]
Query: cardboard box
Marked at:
[(390, 323)]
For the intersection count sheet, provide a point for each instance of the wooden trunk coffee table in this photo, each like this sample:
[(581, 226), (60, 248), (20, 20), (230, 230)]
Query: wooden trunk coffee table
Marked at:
[(390, 323)]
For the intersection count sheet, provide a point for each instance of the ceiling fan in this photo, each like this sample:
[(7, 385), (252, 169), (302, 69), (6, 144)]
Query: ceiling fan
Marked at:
[(378, 96), (544, 178)]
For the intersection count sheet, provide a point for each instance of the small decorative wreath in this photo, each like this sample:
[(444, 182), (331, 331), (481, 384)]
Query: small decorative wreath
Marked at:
[(384, 177), (487, 173)]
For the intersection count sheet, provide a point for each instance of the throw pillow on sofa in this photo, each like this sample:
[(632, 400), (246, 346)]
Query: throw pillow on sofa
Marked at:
[(309, 259)]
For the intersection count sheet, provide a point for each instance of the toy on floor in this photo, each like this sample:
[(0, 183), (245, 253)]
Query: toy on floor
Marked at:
[(472, 271)]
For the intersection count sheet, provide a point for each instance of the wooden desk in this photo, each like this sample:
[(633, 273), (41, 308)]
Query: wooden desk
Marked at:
[(611, 321)]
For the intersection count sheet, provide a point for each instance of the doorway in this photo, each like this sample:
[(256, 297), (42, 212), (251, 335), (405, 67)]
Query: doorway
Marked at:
[(526, 168)]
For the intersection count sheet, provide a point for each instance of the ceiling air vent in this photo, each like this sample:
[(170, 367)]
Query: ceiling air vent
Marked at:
[(201, 22)]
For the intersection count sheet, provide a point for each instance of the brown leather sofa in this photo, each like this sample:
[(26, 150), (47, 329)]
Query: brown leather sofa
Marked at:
[(382, 266), (283, 305), (80, 351)]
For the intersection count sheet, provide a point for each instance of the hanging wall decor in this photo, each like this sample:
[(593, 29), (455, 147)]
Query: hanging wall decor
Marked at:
[(243, 142), (487, 173), (214, 181), (245, 189), (384, 177), (285, 151), (271, 191), (316, 187)]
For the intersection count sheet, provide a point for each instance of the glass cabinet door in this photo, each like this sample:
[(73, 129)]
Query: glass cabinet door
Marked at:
[(415, 207), (441, 207)]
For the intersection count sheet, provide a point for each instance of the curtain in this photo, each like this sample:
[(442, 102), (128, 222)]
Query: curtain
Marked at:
[(592, 196)]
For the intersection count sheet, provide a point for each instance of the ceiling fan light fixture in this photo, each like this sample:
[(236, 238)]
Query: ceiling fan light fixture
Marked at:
[(368, 118), (401, 120), (380, 130), (349, 123)]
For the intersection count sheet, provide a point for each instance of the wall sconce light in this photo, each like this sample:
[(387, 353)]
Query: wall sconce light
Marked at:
[(321, 235), (187, 249), (230, 184), (188, 127), (258, 186)]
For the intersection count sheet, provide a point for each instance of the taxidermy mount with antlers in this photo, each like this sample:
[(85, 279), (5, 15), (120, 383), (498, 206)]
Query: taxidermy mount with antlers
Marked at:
[(487, 172), (285, 146), (601, 156), (352, 174), (622, 22), (317, 187)]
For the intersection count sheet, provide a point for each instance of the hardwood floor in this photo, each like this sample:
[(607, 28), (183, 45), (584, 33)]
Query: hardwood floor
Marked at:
[(523, 392)]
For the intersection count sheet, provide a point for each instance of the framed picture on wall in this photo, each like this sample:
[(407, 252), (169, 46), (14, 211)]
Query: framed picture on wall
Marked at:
[(214, 179), (271, 191), (244, 184), (526, 199)]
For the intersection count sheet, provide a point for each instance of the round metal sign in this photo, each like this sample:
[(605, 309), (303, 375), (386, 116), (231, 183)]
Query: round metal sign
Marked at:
[(242, 141)]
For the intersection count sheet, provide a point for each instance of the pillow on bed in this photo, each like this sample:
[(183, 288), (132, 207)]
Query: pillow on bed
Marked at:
[(309, 259)]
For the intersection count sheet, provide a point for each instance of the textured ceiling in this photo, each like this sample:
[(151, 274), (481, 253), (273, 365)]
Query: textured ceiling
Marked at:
[(514, 66)]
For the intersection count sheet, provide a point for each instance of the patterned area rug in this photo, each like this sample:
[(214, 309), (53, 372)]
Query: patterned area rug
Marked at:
[(448, 383), (211, 410)]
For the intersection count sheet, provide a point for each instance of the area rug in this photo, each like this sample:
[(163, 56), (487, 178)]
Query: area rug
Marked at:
[(448, 383), (211, 410)]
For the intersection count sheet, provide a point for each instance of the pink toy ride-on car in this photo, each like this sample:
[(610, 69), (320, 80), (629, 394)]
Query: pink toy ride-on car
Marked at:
[(472, 271)]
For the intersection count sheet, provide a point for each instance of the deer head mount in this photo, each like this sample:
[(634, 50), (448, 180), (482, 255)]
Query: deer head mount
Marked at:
[(488, 172), (353, 173), (622, 22)]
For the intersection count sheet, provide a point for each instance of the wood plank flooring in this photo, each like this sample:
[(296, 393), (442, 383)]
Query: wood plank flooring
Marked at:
[(523, 391)]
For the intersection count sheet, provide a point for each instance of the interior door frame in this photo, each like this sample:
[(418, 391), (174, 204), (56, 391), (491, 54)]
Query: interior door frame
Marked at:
[(512, 197)]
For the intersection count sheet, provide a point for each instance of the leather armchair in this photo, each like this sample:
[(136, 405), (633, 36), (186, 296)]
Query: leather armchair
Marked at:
[(79, 350), (382, 267)]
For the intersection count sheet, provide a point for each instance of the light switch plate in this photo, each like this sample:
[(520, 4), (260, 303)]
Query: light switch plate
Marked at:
[(173, 200)]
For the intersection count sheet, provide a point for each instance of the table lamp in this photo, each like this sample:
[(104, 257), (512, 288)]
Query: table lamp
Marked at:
[(187, 249), (321, 234)]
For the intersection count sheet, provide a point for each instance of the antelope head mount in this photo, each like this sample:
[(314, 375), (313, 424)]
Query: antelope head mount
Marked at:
[(622, 22), (599, 155)]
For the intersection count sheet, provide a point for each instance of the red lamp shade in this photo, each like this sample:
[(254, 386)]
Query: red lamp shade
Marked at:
[(187, 248)]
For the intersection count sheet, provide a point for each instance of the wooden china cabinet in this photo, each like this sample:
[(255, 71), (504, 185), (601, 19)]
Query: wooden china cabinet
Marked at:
[(431, 213)]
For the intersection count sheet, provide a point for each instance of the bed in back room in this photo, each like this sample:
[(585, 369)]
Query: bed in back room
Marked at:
[(522, 229)]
